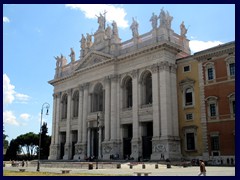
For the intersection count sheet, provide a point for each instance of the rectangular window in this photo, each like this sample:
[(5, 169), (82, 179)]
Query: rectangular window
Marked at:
[(232, 69), (215, 143), (189, 116), (190, 141), (210, 73), (212, 110), (233, 107), (188, 98), (186, 68)]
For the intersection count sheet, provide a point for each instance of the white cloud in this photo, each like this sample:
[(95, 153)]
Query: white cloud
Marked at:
[(22, 97), (8, 90), (25, 116), (6, 19), (113, 13), (196, 45), (9, 118), (9, 95)]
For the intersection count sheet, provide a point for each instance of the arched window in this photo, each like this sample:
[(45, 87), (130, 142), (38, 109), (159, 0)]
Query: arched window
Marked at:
[(232, 104), (75, 103), (230, 63), (212, 106), (129, 93), (209, 72), (147, 88), (97, 98), (64, 106)]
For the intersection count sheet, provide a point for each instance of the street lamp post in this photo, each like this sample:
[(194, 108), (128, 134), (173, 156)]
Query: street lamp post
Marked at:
[(97, 140), (47, 106)]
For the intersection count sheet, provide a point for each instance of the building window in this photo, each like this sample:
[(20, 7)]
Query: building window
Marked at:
[(212, 104), (97, 98), (212, 109), (188, 97), (189, 116), (232, 104), (129, 93), (232, 69), (146, 86), (186, 68), (209, 71), (64, 106), (230, 64), (190, 141), (215, 143), (75, 104)]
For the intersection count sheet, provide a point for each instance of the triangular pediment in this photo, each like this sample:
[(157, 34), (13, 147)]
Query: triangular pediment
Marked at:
[(93, 58)]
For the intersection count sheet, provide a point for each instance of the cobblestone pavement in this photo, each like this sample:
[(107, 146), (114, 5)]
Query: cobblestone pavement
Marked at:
[(126, 171)]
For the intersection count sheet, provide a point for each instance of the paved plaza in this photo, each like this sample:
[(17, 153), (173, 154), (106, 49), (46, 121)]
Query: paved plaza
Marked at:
[(126, 171)]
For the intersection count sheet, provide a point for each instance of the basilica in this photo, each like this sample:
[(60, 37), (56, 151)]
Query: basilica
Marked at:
[(122, 99)]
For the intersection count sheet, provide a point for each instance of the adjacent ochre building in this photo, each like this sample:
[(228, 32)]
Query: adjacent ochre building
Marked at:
[(129, 99)]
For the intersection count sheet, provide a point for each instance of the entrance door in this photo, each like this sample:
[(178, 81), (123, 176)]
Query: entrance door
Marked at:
[(62, 151), (95, 143), (127, 147), (147, 147), (73, 149)]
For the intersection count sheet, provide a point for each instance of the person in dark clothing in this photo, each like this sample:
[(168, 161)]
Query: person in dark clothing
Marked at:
[(202, 168)]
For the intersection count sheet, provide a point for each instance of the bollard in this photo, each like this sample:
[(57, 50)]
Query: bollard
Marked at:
[(156, 166), (168, 165), (118, 166), (90, 166)]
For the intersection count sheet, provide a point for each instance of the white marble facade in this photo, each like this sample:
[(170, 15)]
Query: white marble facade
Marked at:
[(130, 86)]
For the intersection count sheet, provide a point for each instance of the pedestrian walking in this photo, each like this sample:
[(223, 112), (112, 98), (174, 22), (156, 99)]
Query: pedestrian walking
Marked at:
[(202, 168), (23, 163)]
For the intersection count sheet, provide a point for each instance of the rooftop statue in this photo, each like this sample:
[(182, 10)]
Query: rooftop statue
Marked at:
[(72, 55), (108, 32), (183, 30), (162, 17), (168, 20), (154, 20), (89, 40), (115, 29), (83, 42), (101, 22), (134, 28)]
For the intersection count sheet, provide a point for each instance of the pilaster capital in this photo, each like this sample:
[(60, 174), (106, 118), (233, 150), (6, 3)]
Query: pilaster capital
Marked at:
[(80, 87), (86, 85), (113, 77), (164, 65), (69, 92), (154, 68), (173, 68), (134, 73), (56, 95)]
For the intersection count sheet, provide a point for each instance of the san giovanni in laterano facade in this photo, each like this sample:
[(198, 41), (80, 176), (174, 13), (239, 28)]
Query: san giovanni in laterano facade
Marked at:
[(132, 99)]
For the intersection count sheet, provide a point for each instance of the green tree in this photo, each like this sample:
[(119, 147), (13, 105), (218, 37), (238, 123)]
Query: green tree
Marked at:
[(5, 142), (28, 144), (45, 142), (12, 150)]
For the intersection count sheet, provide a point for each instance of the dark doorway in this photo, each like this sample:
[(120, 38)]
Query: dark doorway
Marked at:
[(127, 146), (95, 142), (62, 151), (147, 140), (73, 149)]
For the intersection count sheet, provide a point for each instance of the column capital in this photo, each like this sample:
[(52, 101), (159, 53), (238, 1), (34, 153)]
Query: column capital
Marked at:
[(113, 77), (56, 95), (80, 87), (134, 73), (173, 68), (154, 68), (85, 85), (69, 92), (164, 65)]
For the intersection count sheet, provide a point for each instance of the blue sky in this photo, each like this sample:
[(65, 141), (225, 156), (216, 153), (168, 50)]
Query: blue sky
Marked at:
[(34, 34)]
